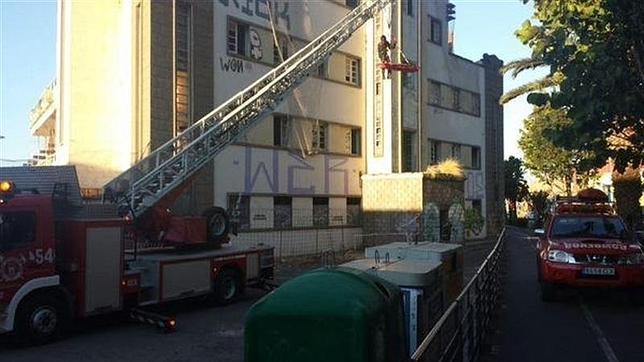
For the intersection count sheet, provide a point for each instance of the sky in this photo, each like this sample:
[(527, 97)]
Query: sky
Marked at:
[(28, 48)]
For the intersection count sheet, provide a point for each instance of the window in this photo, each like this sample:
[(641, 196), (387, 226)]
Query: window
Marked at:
[(476, 104), (283, 46), (240, 203), (323, 70), (352, 70), (434, 93), (410, 7), (182, 75), (319, 133), (280, 130), (476, 157), (435, 152), (456, 95), (436, 31), (17, 229), (282, 212), (356, 144), (478, 206), (408, 150), (588, 226), (320, 211), (351, 3), (456, 152), (353, 211), (236, 38)]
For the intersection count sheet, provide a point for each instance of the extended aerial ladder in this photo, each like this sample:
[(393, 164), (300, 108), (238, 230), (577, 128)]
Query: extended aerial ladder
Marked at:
[(168, 168)]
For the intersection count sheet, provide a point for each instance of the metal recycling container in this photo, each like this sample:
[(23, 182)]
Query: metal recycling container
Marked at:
[(421, 285), (450, 255), (329, 314)]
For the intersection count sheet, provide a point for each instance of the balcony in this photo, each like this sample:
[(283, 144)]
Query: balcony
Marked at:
[(42, 118), (45, 157)]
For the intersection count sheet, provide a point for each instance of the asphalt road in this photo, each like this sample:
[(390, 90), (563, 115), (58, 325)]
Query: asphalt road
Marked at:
[(590, 326), (204, 333)]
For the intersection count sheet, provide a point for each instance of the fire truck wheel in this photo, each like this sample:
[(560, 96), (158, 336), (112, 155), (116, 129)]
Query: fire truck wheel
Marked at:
[(218, 224), (41, 319), (228, 286), (548, 292)]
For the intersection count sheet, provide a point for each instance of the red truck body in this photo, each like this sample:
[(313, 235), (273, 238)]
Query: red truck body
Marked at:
[(585, 245), (57, 264)]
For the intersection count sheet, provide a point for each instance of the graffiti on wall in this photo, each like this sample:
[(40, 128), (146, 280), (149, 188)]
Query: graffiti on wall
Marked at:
[(259, 8), (232, 65), (474, 185), (301, 174)]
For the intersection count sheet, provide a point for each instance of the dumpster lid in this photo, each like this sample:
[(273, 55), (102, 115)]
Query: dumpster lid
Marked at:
[(404, 272)]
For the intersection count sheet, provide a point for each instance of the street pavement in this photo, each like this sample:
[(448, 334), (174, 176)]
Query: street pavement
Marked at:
[(589, 326)]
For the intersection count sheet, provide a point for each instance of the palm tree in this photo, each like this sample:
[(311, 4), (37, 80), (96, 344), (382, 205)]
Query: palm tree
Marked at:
[(516, 67)]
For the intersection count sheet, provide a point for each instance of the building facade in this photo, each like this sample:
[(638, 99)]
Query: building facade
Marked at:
[(133, 74)]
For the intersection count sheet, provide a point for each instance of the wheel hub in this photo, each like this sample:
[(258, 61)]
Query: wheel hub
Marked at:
[(44, 321)]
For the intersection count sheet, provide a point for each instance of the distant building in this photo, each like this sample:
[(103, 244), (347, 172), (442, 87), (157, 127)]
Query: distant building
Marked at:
[(133, 74)]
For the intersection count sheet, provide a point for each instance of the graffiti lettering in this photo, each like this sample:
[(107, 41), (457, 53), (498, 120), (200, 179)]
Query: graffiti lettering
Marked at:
[(249, 181), (328, 169), (302, 165), (279, 9), (231, 65), (301, 175)]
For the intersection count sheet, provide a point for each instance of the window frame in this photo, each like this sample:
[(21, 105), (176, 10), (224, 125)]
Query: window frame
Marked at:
[(352, 70), (433, 37), (24, 242)]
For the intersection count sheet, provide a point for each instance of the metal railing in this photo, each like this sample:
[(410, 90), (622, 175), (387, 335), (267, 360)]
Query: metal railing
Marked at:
[(460, 332)]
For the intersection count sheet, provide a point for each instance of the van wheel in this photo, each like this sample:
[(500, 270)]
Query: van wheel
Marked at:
[(217, 224), (228, 286), (41, 319), (548, 292)]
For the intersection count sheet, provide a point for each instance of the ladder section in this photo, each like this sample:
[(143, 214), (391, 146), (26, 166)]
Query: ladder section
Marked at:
[(169, 166)]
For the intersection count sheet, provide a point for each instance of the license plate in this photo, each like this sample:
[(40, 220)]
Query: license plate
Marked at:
[(598, 271)]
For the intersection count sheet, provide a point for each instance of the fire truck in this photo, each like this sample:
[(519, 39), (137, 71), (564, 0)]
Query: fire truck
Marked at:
[(586, 245), (62, 259)]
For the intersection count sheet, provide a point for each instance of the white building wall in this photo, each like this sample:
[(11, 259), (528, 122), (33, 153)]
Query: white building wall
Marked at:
[(269, 170)]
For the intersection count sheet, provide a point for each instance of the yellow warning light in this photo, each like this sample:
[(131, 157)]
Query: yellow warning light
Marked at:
[(6, 186)]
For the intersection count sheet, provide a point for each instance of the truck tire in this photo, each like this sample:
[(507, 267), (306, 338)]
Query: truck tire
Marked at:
[(228, 286), (548, 292), (41, 319), (217, 224)]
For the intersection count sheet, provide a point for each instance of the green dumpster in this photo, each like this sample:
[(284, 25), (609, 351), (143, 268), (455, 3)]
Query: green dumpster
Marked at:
[(329, 314)]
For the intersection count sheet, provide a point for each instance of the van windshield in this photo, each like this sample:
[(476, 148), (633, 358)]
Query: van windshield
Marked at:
[(588, 226)]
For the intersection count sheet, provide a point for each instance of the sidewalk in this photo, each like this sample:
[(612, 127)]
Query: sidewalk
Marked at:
[(473, 255)]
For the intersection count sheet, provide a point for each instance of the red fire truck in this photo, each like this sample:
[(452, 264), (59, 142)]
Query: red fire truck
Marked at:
[(586, 245), (62, 258)]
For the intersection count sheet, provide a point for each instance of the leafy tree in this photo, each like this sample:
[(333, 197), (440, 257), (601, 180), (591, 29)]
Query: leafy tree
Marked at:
[(516, 187), (628, 190), (552, 164), (594, 50), (540, 203)]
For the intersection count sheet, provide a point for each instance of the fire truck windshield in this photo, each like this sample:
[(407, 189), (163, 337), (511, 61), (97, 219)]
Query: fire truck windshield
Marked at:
[(588, 226), (16, 229)]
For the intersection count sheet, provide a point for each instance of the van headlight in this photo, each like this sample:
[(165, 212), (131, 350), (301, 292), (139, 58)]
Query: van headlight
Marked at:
[(559, 256)]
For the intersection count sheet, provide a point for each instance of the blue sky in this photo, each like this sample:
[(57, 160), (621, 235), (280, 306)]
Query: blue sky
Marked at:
[(27, 65), (28, 47)]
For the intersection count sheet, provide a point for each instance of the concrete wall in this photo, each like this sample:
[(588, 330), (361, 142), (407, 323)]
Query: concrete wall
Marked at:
[(95, 52)]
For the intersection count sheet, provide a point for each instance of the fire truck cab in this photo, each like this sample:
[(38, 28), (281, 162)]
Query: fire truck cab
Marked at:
[(586, 245), (62, 260)]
